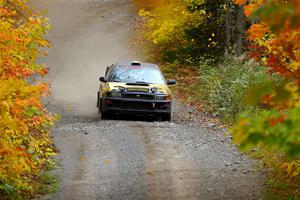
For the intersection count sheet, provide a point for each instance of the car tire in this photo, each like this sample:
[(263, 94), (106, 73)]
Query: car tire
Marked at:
[(166, 118), (98, 100), (103, 115)]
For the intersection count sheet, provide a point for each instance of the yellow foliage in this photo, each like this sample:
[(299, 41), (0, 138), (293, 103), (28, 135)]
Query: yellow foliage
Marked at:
[(167, 23), (275, 41), (25, 146)]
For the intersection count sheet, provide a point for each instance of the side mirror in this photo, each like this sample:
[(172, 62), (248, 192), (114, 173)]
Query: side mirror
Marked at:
[(171, 82), (102, 79)]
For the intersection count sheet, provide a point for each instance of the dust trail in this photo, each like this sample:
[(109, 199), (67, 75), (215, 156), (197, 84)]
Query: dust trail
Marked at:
[(86, 37)]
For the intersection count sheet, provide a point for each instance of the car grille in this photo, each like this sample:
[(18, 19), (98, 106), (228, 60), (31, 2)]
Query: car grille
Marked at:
[(138, 96), (137, 105)]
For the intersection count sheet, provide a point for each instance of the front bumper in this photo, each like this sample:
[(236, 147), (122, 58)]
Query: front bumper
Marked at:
[(127, 105)]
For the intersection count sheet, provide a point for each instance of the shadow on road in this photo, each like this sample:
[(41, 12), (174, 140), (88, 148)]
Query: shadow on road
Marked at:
[(133, 117)]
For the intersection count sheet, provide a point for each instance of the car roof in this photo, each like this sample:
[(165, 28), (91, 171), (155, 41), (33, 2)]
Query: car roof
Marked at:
[(136, 63)]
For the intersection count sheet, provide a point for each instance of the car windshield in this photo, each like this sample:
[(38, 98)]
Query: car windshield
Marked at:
[(136, 75)]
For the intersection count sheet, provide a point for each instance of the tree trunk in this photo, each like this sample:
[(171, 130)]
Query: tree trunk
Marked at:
[(228, 27), (240, 26)]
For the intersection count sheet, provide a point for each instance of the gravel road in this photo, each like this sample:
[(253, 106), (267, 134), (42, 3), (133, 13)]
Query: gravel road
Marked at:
[(132, 159)]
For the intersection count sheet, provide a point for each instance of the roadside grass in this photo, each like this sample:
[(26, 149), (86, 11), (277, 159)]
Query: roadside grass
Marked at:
[(280, 182), (46, 183), (279, 186), (49, 182), (223, 87), (219, 88)]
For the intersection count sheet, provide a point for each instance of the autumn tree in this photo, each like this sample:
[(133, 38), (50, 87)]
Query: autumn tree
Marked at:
[(25, 146), (275, 43), (188, 31)]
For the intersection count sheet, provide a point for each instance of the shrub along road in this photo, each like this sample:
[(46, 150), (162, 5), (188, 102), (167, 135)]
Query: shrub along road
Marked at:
[(127, 159)]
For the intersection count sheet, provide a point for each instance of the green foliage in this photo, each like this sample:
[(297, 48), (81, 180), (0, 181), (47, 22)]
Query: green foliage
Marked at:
[(208, 39), (223, 88), (49, 183), (277, 130)]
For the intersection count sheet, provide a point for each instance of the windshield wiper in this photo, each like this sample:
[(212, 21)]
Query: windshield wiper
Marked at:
[(142, 82)]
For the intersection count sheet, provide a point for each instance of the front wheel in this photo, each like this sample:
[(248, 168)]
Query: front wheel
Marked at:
[(98, 100), (103, 115)]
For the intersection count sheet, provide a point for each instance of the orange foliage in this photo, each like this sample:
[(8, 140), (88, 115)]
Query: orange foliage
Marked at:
[(275, 42), (275, 39), (25, 146)]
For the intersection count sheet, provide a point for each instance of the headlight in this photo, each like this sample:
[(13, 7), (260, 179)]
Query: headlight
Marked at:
[(162, 97)]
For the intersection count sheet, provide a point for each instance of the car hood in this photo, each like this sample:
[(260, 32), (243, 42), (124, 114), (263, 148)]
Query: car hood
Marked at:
[(160, 88)]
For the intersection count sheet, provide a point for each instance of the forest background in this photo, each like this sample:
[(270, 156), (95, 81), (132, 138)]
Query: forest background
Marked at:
[(239, 61)]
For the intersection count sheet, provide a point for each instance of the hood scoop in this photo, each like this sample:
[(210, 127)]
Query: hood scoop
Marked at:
[(140, 84)]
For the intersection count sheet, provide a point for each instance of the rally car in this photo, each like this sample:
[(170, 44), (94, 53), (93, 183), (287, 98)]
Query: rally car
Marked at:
[(135, 88)]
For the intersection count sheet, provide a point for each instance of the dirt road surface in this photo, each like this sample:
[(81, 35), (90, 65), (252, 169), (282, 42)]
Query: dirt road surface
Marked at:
[(127, 159)]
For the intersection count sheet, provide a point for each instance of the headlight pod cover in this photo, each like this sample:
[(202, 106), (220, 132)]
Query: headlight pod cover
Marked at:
[(115, 94)]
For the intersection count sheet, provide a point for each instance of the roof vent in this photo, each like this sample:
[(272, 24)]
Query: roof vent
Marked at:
[(136, 63)]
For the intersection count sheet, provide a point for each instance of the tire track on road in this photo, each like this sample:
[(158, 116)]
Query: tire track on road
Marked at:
[(168, 174)]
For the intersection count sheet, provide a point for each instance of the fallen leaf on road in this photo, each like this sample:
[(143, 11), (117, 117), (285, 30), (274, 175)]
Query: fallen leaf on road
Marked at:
[(82, 158), (106, 162), (69, 108)]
